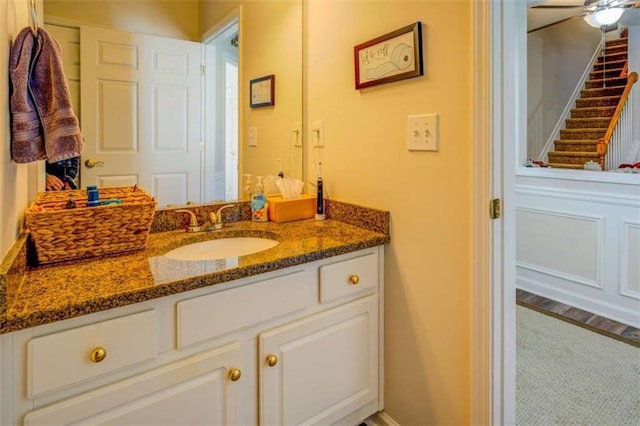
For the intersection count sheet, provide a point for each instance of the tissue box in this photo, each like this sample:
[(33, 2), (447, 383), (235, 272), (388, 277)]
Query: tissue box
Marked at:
[(281, 210)]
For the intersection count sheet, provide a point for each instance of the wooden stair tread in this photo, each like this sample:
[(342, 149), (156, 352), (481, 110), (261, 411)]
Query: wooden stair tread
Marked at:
[(598, 92), (586, 119), (574, 153), (584, 129), (617, 42), (600, 101), (607, 110), (565, 166), (618, 87), (576, 141), (612, 63)]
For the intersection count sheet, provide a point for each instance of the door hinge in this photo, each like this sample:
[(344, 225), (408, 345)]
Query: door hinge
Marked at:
[(494, 210), (202, 69)]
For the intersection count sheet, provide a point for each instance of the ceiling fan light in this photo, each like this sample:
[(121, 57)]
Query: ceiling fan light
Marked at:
[(604, 17)]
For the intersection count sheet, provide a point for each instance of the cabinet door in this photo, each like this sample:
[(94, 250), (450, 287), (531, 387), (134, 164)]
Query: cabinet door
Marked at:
[(326, 366), (196, 390)]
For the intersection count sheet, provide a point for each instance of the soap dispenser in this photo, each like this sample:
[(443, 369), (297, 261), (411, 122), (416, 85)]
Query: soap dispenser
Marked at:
[(259, 203)]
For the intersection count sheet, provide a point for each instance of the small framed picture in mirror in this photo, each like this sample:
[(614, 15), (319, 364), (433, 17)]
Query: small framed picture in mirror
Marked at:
[(262, 91)]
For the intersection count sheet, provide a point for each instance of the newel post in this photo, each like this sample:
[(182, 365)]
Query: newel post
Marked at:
[(601, 149)]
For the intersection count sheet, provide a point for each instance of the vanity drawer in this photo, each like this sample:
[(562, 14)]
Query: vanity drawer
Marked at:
[(217, 314), (61, 359), (348, 277)]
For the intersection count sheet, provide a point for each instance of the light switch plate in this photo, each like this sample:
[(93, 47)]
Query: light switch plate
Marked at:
[(296, 134), (317, 134), (252, 136), (422, 132)]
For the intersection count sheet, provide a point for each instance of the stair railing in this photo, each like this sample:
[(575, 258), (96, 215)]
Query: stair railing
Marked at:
[(619, 137)]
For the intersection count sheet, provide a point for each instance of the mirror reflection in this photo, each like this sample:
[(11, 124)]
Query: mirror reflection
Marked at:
[(161, 89)]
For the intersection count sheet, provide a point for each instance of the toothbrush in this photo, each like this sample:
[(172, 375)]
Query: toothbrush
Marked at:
[(281, 173), (320, 200)]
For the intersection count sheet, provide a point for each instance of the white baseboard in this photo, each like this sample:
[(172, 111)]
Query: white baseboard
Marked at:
[(381, 419)]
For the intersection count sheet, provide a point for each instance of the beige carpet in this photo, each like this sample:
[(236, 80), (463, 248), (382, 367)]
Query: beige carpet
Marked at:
[(567, 375)]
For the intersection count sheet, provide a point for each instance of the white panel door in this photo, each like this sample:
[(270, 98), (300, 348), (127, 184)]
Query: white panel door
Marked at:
[(69, 41), (327, 366), (141, 115), (194, 391)]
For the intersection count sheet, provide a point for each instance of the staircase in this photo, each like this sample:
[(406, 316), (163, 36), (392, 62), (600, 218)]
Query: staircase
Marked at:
[(593, 110)]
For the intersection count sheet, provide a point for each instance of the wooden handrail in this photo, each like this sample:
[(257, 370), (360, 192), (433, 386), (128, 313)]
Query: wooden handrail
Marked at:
[(625, 70), (604, 142)]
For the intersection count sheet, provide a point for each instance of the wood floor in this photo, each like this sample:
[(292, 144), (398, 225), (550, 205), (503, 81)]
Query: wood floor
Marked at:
[(596, 323)]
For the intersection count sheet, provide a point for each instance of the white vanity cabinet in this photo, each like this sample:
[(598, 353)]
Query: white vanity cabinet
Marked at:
[(198, 390), (319, 369), (302, 345)]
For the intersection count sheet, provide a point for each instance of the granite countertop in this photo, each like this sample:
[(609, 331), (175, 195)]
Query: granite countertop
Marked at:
[(36, 295)]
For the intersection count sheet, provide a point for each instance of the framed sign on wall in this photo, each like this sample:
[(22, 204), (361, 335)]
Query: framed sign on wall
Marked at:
[(390, 57), (262, 91)]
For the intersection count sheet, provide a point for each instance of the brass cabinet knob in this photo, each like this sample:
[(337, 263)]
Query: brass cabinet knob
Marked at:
[(272, 360), (354, 279), (234, 374), (98, 354)]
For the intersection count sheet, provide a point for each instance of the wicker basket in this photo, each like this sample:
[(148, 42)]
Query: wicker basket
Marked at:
[(63, 234)]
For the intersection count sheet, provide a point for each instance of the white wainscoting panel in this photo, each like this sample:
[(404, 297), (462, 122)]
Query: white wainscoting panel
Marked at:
[(630, 260), (543, 245), (578, 242)]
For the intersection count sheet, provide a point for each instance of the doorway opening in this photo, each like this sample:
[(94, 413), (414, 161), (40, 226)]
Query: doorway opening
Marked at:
[(221, 106)]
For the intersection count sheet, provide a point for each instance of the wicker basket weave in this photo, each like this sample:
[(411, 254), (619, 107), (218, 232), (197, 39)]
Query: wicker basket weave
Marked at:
[(63, 234)]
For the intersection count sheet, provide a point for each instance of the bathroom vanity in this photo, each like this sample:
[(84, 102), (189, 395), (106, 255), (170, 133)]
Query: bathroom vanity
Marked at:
[(291, 335)]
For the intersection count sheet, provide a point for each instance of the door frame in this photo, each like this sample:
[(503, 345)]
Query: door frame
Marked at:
[(499, 102), (233, 18)]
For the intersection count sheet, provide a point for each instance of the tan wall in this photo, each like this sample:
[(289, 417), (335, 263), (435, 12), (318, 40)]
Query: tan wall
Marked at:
[(427, 266), (271, 39), (175, 19), (14, 178), (365, 160)]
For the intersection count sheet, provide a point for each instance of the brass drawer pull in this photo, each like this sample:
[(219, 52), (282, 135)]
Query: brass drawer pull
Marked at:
[(354, 279), (272, 360), (98, 354), (234, 374)]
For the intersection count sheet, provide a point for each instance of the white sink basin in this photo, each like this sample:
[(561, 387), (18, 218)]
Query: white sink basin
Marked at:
[(221, 248)]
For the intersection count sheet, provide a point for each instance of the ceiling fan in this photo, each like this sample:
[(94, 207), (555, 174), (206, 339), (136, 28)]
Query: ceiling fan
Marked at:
[(597, 13)]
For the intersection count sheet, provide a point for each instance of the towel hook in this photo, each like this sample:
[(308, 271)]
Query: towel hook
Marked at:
[(34, 18)]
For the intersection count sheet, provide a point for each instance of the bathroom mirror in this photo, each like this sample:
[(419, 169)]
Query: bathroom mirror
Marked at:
[(266, 38)]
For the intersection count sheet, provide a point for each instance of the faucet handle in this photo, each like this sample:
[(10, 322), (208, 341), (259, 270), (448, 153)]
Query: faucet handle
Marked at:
[(219, 222), (193, 219)]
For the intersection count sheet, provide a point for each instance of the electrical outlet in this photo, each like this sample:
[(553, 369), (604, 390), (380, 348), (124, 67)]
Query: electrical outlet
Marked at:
[(422, 132), (252, 136), (317, 134)]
